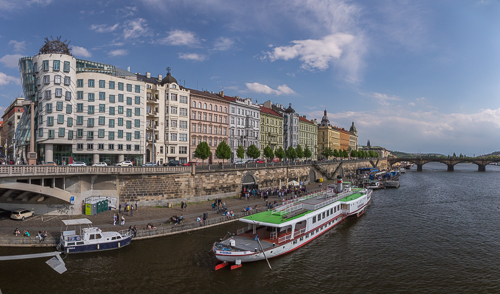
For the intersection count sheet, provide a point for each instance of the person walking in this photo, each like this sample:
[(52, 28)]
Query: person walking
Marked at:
[(114, 219), (136, 206), (123, 221), (120, 208), (131, 210)]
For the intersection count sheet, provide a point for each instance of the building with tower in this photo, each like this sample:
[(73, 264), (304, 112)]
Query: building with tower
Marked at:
[(353, 137)]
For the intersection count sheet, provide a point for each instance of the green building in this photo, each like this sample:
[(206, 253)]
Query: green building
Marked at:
[(271, 129), (308, 135)]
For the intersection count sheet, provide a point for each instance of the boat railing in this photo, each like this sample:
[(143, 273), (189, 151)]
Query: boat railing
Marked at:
[(289, 235), (242, 230), (285, 208), (125, 233), (329, 201), (274, 235)]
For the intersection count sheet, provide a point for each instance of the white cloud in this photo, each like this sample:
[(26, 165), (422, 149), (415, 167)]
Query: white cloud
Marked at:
[(178, 37), (118, 52), (383, 99), (260, 88), (192, 56), (5, 79), (18, 46), (11, 60), (136, 28), (9, 5), (127, 11), (80, 52), (103, 28), (314, 54), (223, 44)]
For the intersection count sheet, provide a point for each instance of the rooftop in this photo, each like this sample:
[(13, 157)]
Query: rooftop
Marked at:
[(269, 111)]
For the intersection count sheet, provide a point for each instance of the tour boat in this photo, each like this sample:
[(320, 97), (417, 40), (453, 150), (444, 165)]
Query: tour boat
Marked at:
[(373, 184), (90, 239), (289, 226)]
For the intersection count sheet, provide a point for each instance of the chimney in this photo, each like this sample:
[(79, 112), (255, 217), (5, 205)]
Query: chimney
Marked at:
[(221, 93), (160, 77), (237, 97), (148, 74), (304, 116)]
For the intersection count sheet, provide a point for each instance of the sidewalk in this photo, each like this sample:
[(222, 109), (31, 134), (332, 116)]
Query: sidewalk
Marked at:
[(155, 215)]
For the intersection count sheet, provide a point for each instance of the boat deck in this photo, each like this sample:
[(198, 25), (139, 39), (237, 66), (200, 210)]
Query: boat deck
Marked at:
[(351, 197), (248, 244)]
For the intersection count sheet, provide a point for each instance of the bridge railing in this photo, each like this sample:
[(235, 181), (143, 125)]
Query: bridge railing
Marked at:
[(35, 170)]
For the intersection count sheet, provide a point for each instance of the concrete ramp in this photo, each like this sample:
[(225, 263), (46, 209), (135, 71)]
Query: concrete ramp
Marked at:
[(23, 193)]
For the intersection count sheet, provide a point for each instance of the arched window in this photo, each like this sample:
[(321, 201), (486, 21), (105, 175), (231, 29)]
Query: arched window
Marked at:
[(215, 108), (225, 109), (210, 106), (194, 104), (199, 105), (204, 106)]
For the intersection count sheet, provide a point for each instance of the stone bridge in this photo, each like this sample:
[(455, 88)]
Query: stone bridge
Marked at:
[(450, 162)]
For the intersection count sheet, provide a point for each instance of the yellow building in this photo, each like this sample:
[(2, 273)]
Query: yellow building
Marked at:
[(353, 137), (271, 129), (308, 135)]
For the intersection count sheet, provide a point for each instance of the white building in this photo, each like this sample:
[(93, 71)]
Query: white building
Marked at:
[(290, 124), (167, 119), (244, 124)]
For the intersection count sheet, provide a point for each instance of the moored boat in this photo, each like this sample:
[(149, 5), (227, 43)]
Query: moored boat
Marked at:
[(288, 227), (90, 239)]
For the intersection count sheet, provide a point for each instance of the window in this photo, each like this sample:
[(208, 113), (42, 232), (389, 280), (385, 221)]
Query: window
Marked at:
[(79, 107), (173, 97), (138, 89), (47, 94), (35, 66), (204, 116), (79, 120), (128, 137), (90, 122), (129, 88), (120, 134), (137, 147), (183, 111), (194, 104), (67, 81), (166, 109), (194, 115), (102, 96), (137, 135), (66, 66), (102, 84), (173, 137), (166, 95), (90, 109), (60, 118), (111, 123), (79, 95), (210, 107), (45, 65), (137, 100), (59, 106), (120, 146), (120, 122), (102, 120), (46, 79), (102, 108), (100, 134), (129, 100), (69, 121), (120, 97), (111, 146), (91, 83), (174, 124), (137, 111), (111, 111), (58, 92), (62, 132), (129, 124), (79, 134), (40, 132), (129, 112), (79, 83), (111, 136), (91, 97), (68, 96), (173, 109), (48, 107), (51, 134), (199, 104), (111, 84), (129, 147), (183, 124), (120, 86), (90, 135), (183, 150), (194, 141), (183, 137), (70, 135), (100, 146), (111, 98), (137, 123), (183, 99), (204, 106), (172, 150), (57, 79), (90, 146)]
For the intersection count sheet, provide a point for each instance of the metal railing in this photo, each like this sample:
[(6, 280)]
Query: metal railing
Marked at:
[(289, 235), (37, 170)]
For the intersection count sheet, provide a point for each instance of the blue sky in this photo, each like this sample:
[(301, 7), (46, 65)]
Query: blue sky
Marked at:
[(415, 76)]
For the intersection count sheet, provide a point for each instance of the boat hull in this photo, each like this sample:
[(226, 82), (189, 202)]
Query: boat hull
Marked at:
[(96, 246)]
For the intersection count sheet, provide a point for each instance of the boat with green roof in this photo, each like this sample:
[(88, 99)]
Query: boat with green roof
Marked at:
[(290, 226)]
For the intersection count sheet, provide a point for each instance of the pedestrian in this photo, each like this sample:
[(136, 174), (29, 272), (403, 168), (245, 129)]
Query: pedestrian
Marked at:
[(136, 206), (114, 220), (123, 220), (135, 231), (16, 232), (131, 210), (120, 208), (185, 205)]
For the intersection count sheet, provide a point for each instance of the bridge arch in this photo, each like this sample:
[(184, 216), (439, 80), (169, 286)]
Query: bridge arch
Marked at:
[(249, 182), (312, 175), (22, 193)]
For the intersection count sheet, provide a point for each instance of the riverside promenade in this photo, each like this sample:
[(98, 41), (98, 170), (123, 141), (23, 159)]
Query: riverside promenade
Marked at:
[(158, 216)]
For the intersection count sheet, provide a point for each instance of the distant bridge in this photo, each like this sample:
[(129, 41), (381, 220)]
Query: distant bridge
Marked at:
[(450, 162)]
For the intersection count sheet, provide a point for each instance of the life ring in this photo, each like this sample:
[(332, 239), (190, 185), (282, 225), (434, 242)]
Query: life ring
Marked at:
[(78, 238)]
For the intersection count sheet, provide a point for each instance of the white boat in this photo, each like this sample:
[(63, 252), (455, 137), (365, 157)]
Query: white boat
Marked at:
[(287, 227), (402, 170), (373, 185), (90, 239)]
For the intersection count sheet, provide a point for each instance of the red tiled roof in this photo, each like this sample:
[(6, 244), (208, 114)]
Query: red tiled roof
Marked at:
[(305, 120), (269, 111)]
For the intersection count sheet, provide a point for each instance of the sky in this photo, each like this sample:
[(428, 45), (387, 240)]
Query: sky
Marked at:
[(415, 76)]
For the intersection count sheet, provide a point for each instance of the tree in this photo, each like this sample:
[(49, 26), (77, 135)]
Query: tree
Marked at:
[(307, 152), (336, 153), (240, 152), (268, 153), (280, 153), (327, 152), (202, 151), (354, 153), (253, 151), (223, 151), (290, 153), (299, 151), (345, 154)]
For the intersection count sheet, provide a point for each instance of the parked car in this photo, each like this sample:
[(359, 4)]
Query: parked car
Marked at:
[(150, 164), (260, 161), (4, 213), (190, 163), (125, 163), (49, 163), (173, 163), (100, 164), (78, 163), (21, 213)]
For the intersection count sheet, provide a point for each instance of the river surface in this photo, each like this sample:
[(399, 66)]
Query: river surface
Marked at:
[(437, 233)]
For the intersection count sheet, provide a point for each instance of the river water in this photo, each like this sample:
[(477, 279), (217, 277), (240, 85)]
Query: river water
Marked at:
[(437, 233)]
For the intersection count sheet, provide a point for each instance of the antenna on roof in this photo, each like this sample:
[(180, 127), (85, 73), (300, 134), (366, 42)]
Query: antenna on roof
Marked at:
[(168, 69)]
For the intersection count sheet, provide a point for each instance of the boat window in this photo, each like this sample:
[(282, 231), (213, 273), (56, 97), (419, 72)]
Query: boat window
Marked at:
[(295, 242), (92, 237), (118, 237), (307, 236), (314, 219), (312, 234), (331, 210), (301, 238), (98, 236), (114, 238), (79, 243), (323, 214), (71, 244), (327, 213)]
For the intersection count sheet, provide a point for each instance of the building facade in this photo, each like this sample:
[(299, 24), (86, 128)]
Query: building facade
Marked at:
[(308, 136), (290, 124), (209, 122), (11, 119), (244, 124), (167, 119), (353, 137), (271, 129), (344, 138)]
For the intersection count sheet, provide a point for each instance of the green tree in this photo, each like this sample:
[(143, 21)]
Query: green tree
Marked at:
[(280, 153), (345, 154), (454, 155), (223, 151), (354, 153), (268, 153), (240, 152), (336, 153), (202, 151), (299, 151), (290, 153), (327, 152), (253, 151), (307, 153)]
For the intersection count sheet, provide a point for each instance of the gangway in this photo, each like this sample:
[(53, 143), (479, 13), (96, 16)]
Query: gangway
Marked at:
[(56, 262)]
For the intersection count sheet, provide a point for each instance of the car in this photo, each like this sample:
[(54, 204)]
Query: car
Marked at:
[(260, 161), (78, 163), (49, 163), (190, 163), (125, 163), (4, 213), (150, 164), (100, 164), (173, 163), (21, 213)]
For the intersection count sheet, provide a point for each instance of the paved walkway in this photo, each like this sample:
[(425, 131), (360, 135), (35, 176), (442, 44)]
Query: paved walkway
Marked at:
[(155, 215)]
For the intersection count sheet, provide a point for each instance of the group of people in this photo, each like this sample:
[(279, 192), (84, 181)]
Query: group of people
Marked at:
[(280, 193), (133, 230), (40, 236), (176, 219), (184, 205), (150, 226), (116, 218), (128, 208)]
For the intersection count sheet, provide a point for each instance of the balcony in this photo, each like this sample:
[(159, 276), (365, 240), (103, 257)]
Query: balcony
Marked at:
[(153, 100), (152, 113)]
